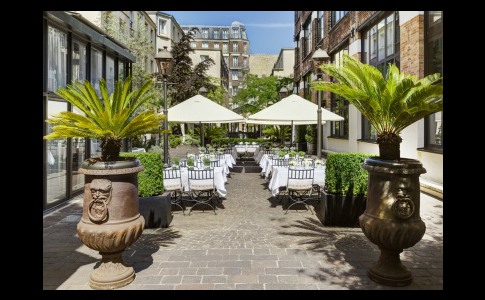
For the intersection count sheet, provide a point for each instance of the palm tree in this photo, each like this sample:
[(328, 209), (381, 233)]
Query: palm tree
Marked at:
[(110, 118), (390, 104)]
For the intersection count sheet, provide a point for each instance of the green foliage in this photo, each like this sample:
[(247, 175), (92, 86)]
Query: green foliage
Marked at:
[(273, 132), (206, 161), (110, 118), (190, 162), (214, 132), (156, 149), (310, 133), (258, 92), (300, 133), (191, 139), (391, 103), (301, 153), (150, 181), (174, 141), (344, 174), (219, 94), (187, 80), (175, 160)]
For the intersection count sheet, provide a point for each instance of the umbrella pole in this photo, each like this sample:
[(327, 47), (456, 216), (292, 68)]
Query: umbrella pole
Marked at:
[(201, 134), (292, 132)]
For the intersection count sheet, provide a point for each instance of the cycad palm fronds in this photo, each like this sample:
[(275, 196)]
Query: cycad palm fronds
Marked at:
[(110, 118), (391, 103)]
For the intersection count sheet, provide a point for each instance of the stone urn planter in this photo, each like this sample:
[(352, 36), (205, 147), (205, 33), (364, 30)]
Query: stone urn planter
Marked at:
[(111, 220), (391, 219)]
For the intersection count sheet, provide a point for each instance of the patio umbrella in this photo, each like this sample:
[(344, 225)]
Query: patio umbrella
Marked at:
[(292, 110), (199, 109)]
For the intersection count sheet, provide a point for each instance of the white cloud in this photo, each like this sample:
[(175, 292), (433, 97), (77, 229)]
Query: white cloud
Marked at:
[(271, 25)]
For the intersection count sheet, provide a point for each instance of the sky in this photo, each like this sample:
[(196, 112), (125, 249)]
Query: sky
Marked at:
[(268, 31)]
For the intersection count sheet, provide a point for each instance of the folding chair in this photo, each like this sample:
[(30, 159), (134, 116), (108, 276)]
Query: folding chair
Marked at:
[(300, 186), (202, 182), (172, 182)]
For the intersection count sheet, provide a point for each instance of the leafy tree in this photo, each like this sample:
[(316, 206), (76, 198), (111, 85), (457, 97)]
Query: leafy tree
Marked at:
[(219, 94), (390, 104), (185, 80), (274, 132), (258, 92)]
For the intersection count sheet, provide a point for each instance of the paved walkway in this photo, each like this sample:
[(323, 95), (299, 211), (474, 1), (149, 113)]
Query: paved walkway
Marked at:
[(249, 244)]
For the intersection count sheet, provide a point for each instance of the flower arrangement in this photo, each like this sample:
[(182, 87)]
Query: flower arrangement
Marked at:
[(247, 143), (292, 148), (175, 162), (292, 163), (301, 154), (220, 150), (212, 156), (202, 155), (292, 154), (190, 162), (281, 154), (307, 162), (190, 155), (318, 162)]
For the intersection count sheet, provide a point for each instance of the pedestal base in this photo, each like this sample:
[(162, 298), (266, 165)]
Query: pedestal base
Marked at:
[(112, 273), (388, 270)]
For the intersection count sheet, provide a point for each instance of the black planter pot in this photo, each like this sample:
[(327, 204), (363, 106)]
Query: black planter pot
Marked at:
[(157, 210), (340, 210)]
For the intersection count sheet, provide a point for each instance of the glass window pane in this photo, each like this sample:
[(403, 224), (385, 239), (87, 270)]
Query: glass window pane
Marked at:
[(373, 42), (56, 158), (110, 73), (96, 67), (57, 59), (121, 70), (435, 131), (390, 35), (79, 61), (381, 40), (78, 156)]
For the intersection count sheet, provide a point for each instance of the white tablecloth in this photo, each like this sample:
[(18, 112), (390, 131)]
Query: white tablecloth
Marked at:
[(266, 165), (280, 178), (138, 150), (246, 148), (219, 180), (229, 160)]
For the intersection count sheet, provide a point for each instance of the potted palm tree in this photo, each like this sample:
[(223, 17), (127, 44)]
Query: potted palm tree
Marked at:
[(391, 103), (111, 220)]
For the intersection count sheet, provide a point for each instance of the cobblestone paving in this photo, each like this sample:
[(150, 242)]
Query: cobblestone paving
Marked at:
[(249, 244)]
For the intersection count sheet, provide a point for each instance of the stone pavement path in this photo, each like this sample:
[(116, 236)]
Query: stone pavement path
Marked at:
[(249, 244)]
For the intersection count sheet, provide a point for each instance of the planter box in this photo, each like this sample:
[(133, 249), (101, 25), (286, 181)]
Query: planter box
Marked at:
[(340, 210), (156, 210)]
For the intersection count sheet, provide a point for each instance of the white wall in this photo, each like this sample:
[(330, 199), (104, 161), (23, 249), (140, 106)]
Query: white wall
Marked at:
[(216, 55)]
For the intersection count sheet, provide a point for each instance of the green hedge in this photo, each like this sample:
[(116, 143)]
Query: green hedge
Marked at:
[(150, 181), (344, 174)]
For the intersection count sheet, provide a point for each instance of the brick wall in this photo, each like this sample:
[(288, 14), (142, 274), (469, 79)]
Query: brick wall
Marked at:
[(412, 46)]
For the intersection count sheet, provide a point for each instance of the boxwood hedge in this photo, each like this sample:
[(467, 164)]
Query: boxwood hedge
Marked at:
[(150, 181), (344, 174)]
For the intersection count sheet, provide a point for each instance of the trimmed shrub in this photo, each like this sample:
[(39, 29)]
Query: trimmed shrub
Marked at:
[(174, 141), (344, 174), (150, 181)]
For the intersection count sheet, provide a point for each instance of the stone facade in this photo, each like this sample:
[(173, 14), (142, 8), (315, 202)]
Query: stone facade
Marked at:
[(262, 64)]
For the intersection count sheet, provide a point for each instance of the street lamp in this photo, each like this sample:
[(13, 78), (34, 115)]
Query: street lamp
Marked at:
[(202, 91), (164, 61), (319, 57)]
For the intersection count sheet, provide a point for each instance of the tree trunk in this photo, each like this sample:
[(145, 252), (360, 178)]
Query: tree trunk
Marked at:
[(389, 146), (110, 149)]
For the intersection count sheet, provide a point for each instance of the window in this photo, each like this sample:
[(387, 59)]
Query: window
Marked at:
[(338, 15), (433, 124), (216, 45), (307, 94), (96, 67), (235, 33), (205, 45), (234, 61), (110, 73), (225, 47), (205, 33), (234, 90), (308, 38), (162, 26), (340, 105), (216, 34), (79, 61), (320, 19), (193, 45), (245, 62), (380, 48), (204, 57), (225, 34), (234, 75), (57, 59), (234, 47), (151, 34), (297, 49), (245, 45), (121, 70), (225, 60)]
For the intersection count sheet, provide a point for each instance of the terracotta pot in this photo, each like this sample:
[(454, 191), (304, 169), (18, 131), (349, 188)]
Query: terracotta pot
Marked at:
[(391, 219), (111, 220)]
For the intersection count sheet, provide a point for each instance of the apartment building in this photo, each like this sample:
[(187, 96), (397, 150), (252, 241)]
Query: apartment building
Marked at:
[(284, 63), (413, 40), (233, 41)]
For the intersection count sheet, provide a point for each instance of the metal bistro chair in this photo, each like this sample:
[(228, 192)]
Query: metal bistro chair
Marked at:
[(300, 186), (215, 163), (200, 182), (172, 182), (267, 151)]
